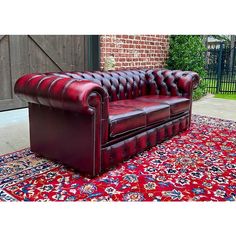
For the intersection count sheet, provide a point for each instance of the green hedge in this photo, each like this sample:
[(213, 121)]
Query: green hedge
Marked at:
[(187, 52)]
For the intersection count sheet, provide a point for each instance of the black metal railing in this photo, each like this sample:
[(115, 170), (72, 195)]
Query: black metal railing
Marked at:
[(221, 69)]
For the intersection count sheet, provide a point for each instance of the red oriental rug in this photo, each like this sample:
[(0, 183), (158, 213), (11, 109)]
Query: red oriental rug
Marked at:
[(197, 165)]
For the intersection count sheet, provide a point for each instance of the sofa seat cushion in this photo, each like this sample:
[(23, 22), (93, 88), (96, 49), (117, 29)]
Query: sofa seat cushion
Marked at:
[(177, 104), (124, 119), (130, 114)]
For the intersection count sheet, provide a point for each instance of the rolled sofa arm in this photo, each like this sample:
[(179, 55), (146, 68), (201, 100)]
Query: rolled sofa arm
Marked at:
[(187, 81), (60, 92), (173, 82)]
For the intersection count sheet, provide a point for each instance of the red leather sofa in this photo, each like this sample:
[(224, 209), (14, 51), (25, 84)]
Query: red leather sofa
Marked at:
[(93, 121)]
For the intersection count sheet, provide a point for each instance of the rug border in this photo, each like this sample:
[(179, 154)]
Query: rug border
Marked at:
[(234, 121), (20, 150)]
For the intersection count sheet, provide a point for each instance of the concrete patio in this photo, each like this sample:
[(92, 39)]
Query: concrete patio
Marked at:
[(215, 107), (14, 126), (14, 130)]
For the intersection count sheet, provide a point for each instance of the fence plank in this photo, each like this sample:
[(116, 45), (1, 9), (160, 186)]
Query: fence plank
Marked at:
[(47, 48), (5, 73), (22, 54), (2, 36)]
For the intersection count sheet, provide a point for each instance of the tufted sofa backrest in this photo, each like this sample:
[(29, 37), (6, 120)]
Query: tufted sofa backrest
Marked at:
[(126, 84), (129, 84), (171, 82)]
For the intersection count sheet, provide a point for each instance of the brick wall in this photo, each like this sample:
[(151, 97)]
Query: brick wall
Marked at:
[(134, 51)]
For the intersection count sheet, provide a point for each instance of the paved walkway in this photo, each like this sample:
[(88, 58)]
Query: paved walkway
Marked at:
[(215, 107), (14, 126), (14, 130)]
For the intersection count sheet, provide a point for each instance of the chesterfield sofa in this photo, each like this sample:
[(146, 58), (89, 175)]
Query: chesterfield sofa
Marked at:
[(93, 121)]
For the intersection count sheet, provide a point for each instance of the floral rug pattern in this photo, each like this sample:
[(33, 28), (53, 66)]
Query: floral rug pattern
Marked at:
[(197, 165)]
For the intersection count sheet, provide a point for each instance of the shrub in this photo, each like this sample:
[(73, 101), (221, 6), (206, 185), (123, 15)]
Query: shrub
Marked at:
[(200, 91), (187, 52)]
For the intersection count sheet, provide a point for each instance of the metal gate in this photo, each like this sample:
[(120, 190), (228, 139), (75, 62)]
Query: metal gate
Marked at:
[(221, 69)]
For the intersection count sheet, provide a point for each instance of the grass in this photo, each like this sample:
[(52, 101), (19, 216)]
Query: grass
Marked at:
[(224, 87), (226, 96)]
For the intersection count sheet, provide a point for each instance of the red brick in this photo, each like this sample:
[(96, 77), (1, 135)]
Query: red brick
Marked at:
[(135, 51)]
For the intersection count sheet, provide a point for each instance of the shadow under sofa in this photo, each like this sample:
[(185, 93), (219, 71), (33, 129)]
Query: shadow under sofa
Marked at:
[(93, 121)]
